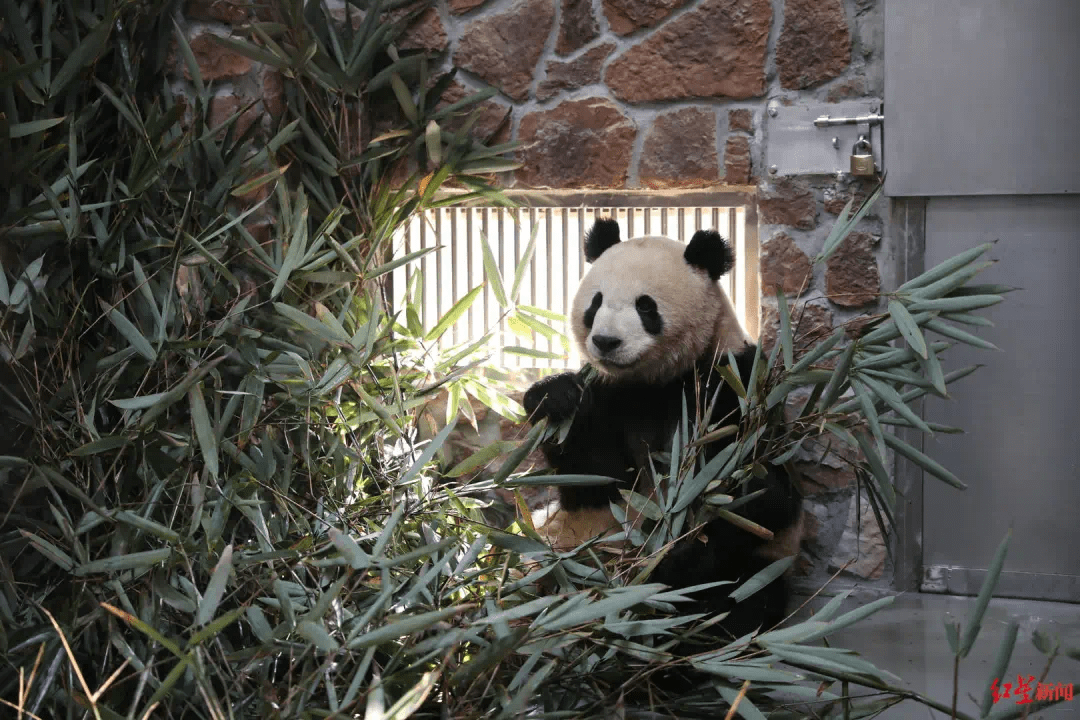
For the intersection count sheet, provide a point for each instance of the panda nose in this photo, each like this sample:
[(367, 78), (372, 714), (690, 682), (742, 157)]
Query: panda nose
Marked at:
[(606, 343)]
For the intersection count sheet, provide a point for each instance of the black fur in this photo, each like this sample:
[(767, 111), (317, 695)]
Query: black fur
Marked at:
[(604, 234), (617, 424), (590, 312), (649, 314), (710, 252)]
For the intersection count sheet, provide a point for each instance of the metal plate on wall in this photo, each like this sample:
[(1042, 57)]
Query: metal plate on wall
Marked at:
[(797, 147)]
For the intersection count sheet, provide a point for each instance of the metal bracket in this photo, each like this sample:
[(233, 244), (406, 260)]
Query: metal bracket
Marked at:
[(817, 139)]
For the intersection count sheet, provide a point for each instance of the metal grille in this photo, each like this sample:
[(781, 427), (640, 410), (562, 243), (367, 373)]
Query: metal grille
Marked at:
[(550, 280)]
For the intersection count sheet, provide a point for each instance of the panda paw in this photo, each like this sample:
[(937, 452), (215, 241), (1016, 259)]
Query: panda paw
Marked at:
[(554, 397)]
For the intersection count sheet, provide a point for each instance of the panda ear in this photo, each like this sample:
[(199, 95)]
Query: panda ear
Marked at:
[(604, 234), (710, 252)]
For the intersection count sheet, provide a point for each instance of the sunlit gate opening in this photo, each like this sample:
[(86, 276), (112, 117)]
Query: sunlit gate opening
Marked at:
[(548, 282)]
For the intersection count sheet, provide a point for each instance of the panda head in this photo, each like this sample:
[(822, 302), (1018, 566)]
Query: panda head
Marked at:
[(650, 307)]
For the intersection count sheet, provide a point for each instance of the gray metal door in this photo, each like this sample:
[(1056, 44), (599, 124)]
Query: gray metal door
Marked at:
[(980, 100)]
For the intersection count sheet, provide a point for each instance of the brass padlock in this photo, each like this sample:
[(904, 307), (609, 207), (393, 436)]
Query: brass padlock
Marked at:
[(862, 157)]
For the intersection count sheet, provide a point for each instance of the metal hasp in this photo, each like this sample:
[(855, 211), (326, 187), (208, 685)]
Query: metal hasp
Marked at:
[(829, 121), (818, 138)]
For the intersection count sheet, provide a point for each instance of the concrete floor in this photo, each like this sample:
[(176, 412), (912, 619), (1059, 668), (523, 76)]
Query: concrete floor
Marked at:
[(908, 639)]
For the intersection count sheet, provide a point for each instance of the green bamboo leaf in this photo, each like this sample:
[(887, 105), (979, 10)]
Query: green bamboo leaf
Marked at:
[(952, 634), (533, 353), (413, 698), (253, 388), (139, 403), (893, 400), (147, 525), (257, 182), (615, 601), (110, 442), (926, 463), (404, 98), (839, 378), (844, 225), (946, 286), (316, 634), (786, 340), (312, 325), (975, 615), (762, 578), (344, 543), (1001, 665), (523, 264), (746, 671), (19, 130), (216, 626), (398, 262), (453, 314), (215, 588), (493, 165), (877, 467), (259, 624), (491, 272), (252, 51), (818, 351), (428, 453), (869, 409), (481, 458), (132, 561), (50, 551), (932, 367), (907, 327), (84, 56), (946, 268), (129, 331), (433, 140), (204, 431), (956, 304), (943, 328), (408, 625)]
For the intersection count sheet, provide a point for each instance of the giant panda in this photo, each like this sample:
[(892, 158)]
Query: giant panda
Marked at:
[(653, 323)]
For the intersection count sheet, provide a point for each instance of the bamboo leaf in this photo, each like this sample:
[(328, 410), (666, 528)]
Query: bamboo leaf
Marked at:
[(946, 268), (926, 463), (19, 130), (786, 340), (132, 561), (491, 272), (204, 431), (1001, 665), (111, 442), (129, 331), (523, 264), (894, 401), (453, 314), (907, 327), (316, 634), (762, 578), (975, 615), (215, 588)]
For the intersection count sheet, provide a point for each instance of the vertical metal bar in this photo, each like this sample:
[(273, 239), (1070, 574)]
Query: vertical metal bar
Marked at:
[(737, 293), (470, 240), (664, 220), (439, 273), (485, 236), (750, 250)]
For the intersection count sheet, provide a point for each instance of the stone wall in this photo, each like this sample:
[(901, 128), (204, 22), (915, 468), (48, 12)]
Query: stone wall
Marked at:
[(666, 94)]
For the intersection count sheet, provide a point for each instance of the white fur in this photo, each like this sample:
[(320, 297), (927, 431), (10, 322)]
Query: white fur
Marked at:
[(697, 315)]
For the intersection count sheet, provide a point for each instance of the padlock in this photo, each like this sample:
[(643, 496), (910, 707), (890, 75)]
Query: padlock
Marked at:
[(862, 157)]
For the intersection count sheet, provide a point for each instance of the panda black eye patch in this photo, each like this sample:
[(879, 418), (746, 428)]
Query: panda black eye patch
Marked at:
[(597, 301), (650, 315)]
